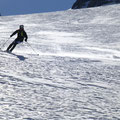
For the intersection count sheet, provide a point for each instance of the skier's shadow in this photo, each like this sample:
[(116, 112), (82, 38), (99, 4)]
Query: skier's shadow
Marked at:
[(20, 57)]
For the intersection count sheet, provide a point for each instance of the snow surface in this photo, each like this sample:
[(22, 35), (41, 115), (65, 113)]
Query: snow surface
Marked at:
[(76, 75)]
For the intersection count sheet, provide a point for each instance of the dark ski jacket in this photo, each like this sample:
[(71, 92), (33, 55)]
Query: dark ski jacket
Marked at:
[(21, 34)]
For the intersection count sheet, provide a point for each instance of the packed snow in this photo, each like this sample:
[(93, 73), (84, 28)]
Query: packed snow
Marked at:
[(70, 70)]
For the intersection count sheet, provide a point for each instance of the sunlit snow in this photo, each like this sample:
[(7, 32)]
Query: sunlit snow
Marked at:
[(72, 72)]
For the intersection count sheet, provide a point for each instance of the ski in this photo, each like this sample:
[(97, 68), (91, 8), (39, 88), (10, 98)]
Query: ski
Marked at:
[(20, 57)]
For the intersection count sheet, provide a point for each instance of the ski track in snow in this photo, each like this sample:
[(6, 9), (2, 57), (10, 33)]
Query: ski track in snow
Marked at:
[(76, 75)]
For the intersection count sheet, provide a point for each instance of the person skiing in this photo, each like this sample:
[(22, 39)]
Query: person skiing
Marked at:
[(21, 35)]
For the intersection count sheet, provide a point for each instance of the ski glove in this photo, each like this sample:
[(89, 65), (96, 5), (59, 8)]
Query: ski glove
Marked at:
[(26, 40)]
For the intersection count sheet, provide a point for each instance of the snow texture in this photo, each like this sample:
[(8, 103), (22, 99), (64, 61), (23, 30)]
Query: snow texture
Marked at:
[(73, 72)]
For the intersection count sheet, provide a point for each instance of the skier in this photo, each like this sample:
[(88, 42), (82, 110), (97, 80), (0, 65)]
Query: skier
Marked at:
[(21, 35)]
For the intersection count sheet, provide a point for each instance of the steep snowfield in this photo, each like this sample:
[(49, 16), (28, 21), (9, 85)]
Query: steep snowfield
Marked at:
[(76, 75)]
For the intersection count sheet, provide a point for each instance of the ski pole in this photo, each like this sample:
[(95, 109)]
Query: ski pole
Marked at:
[(4, 43), (32, 48)]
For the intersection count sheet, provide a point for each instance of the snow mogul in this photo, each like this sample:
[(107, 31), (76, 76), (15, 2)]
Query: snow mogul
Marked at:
[(21, 36)]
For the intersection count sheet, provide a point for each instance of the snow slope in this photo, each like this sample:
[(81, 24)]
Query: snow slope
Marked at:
[(76, 75)]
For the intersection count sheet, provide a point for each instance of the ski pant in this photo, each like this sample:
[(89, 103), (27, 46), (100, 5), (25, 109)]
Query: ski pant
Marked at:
[(13, 45)]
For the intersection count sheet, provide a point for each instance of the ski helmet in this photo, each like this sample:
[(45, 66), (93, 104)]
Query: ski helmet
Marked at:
[(21, 26)]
